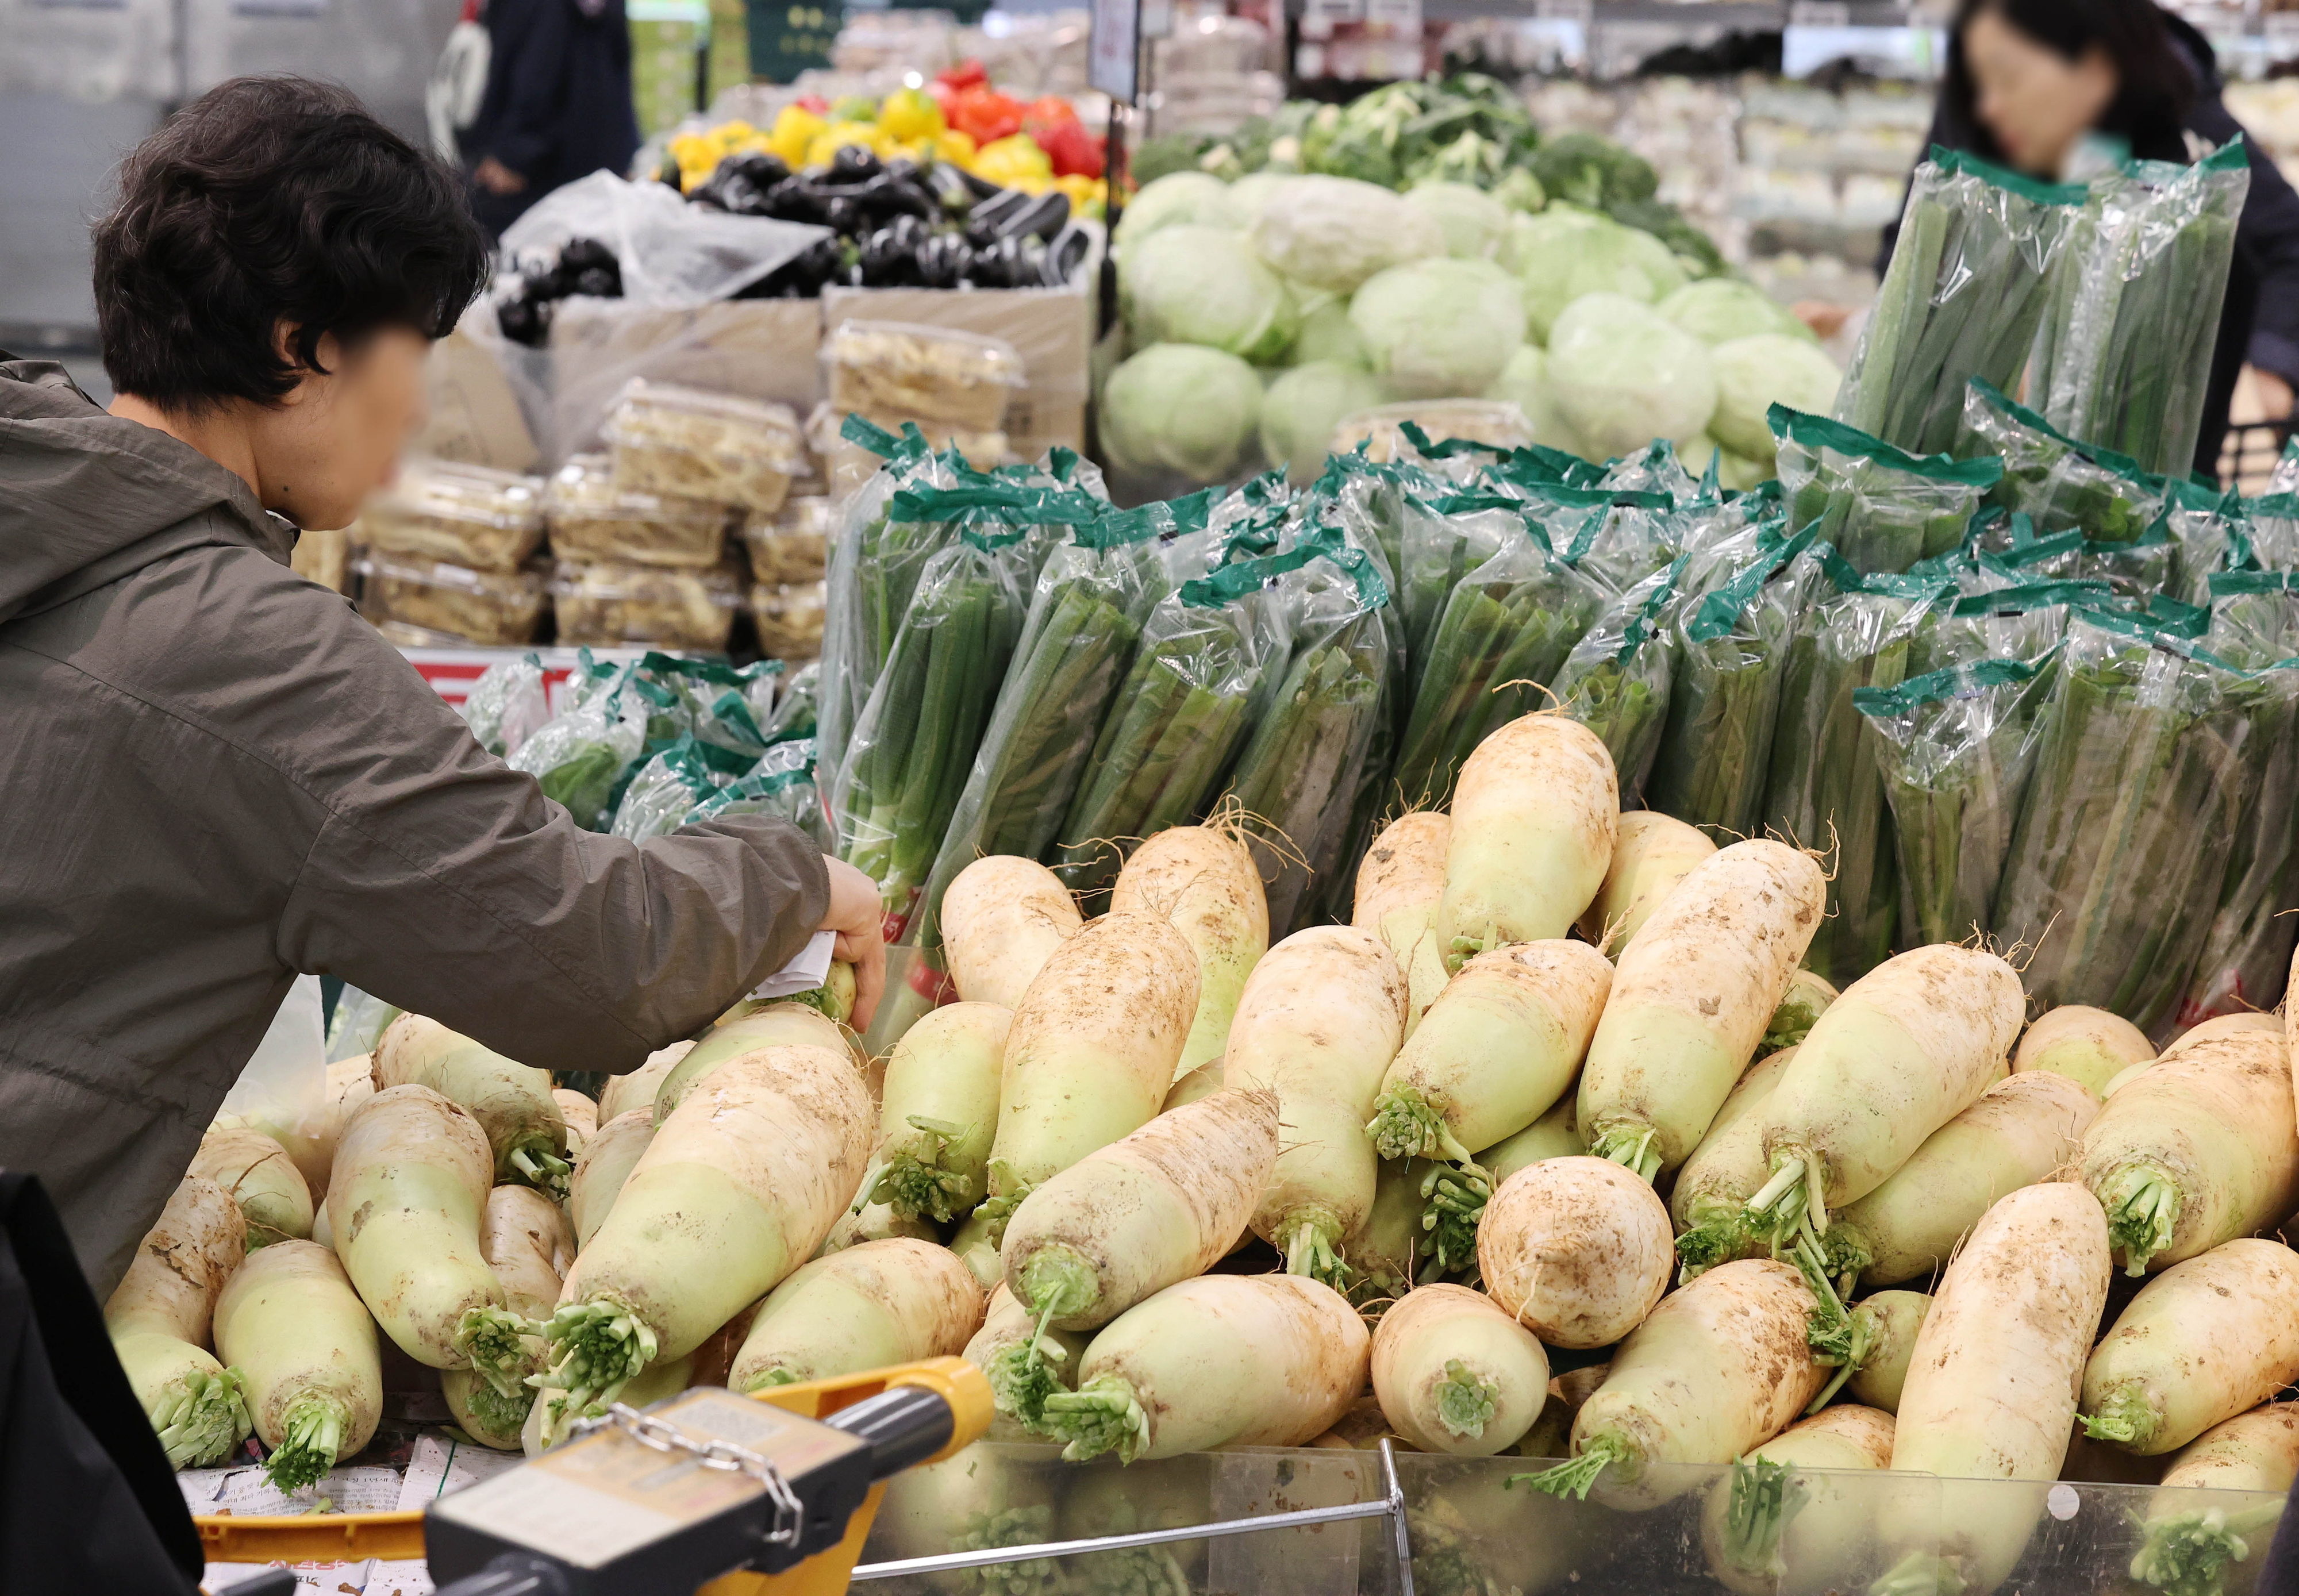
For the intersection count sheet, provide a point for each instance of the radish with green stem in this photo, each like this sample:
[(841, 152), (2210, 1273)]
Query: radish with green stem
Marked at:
[(2189, 1538), (2203, 1342), (1002, 919), (975, 1246), (1319, 1021), (1219, 1360), (1535, 816), (2196, 1150), (261, 1178), (1496, 1050), (1782, 1507), (161, 1317), (603, 1168), (1454, 1198), (305, 1344), (582, 1116), (1716, 1370), (777, 1024), (1709, 1205), (1456, 1374), (527, 1242), (2088, 1045), (937, 1113), (1807, 999), (1894, 1318), (1386, 1252), (1652, 853), (868, 1307), (511, 1102), (739, 1186), (1576, 1249), (1203, 880), (406, 1203), (1691, 998), (1008, 1326)]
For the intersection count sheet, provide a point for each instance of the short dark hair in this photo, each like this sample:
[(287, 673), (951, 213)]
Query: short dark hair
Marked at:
[(2155, 88), (272, 199)]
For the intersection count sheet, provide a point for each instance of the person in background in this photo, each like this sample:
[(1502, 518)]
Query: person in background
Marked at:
[(215, 774), (557, 103), (2028, 81)]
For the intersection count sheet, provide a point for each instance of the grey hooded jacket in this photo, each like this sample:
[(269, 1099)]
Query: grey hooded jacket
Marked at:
[(214, 774)]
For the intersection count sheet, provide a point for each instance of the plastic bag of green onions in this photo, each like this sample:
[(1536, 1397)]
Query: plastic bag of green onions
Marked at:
[(1616, 680), (1880, 507)]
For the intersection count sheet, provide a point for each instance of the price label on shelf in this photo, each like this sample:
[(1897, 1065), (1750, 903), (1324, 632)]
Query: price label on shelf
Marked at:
[(1401, 17), (1114, 48)]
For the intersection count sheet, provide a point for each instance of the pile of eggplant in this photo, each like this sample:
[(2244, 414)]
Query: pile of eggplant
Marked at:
[(582, 266)]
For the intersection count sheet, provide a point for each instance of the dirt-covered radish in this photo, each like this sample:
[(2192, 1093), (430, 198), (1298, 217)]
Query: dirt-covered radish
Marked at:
[(2225, 1025), (305, 1344), (1654, 852), (161, 1317), (1219, 1360), (1405, 868), (880, 1303), (2019, 1130), (665, 1377), (624, 1092), (2088, 1045), (605, 1164), (528, 1242), (1203, 879), (874, 1222), (1200, 1083), (2196, 1149), (1800, 1007), (1691, 998), (511, 1101), (1894, 1318), (405, 1206), (581, 1115), (2190, 1538), (1719, 1368), (1318, 1023), (1535, 817), (937, 1113), (1455, 1374), (1496, 1050), (2203, 1342), (1454, 1198), (1710, 1202), (1991, 1387), (261, 1178), (1092, 1049), (777, 1024), (976, 1248), (1387, 1253), (1783, 1507), (739, 1186), (1002, 919), (1551, 1436), (1576, 1249)]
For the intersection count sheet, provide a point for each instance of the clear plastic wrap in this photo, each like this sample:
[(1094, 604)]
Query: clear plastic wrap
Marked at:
[(1970, 277), (2056, 480), (2285, 479), (454, 601), (2123, 356), (792, 545), (1494, 422), (791, 618), (2145, 566), (583, 755), (592, 518), (718, 705), (670, 252), (464, 515), (606, 605), (683, 443), (1881, 508), (795, 706), (894, 371), (666, 789), (782, 784), (847, 464), (2270, 531), (1618, 679), (507, 704)]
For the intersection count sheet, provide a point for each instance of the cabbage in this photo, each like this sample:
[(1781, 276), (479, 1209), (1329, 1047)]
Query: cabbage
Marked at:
[(1523, 382), (1301, 409), (1436, 328), (1177, 199), (1562, 257), (1332, 233), (1250, 193), (1717, 310), (1474, 222), (1200, 285), (1181, 408), (1327, 334), (1623, 375), (1752, 373)]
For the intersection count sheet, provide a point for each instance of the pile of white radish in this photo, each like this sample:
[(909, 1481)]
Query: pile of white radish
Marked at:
[(1561, 1092)]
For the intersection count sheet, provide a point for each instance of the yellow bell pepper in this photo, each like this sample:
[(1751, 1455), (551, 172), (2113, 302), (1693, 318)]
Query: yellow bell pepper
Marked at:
[(955, 148), (911, 113), (1014, 163), (794, 132)]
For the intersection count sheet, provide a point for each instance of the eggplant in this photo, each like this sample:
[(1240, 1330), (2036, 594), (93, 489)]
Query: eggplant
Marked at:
[(524, 320), (988, 218), (890, 256), (853, 163), (1065, 255), (950, 186), (581, 254)]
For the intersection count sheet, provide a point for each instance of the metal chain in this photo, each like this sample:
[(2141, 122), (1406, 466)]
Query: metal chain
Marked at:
[(661, 1435)]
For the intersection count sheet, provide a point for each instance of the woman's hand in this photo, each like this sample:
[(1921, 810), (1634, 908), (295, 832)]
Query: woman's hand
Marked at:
[(496, 178), (856, 914), (2274, 393), (1825, 320)]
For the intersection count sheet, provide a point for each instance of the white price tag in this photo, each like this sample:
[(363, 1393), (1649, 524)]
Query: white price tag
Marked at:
[(1394, 16), (804, 973)]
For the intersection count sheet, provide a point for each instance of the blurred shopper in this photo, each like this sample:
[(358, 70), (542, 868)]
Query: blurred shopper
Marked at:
[(557, 103)]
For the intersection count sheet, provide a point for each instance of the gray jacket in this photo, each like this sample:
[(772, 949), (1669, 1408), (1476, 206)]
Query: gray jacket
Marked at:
[(214, 774)]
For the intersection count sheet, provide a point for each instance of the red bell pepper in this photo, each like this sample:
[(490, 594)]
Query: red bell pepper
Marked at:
[(966, 74), (984, 115), (1073, 151)]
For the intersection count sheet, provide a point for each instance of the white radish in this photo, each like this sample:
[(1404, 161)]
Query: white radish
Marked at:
[(1002, 919), (2203, 1342), (1092, 1049), (581, 1115), (1893, 1319), (525, 1241), (1404, 868), (874, 1222), (305, 1344), (1200, 1083), (1202, 879), (1455, 1198), (1495, 1053), (1536, 813), (1690, 1001), (1783, 1508), (2225, 1025), (1219, 1360), (511, 1101), (624, 1092), (1807, 999), (1318, 1023), (937, 1112), (603, 1168), (1551, 1436), (1709, 1204), (261, 1178), (2191, 1537), (1455, 1374), (777, 1024), (868, 1307), (2196, 1149), (975, 1246), (1386, 1251), (1652, 853), (161, 1317), (1991, 1387), (666, 1377), (1007, 1323), (1577, 1250), (2088, 1045), (739, 1186)]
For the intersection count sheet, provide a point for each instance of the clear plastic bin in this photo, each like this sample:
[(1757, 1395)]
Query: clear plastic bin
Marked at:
[(789, 618), (792, 547), (602, 604), (476, 606), (467, 515), (895, 370), (593, 518), (683, 443), (1494, 422)]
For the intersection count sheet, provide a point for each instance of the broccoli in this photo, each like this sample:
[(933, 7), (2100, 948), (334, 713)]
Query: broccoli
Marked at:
[(1591, 172)]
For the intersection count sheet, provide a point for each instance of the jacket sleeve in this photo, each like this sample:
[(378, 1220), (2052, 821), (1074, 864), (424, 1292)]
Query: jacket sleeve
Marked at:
[(535, 84), (443, 882), (2267, 236)]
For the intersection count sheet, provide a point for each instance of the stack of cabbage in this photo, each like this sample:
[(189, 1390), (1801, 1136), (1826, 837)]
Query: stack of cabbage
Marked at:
[(1261, 314)]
